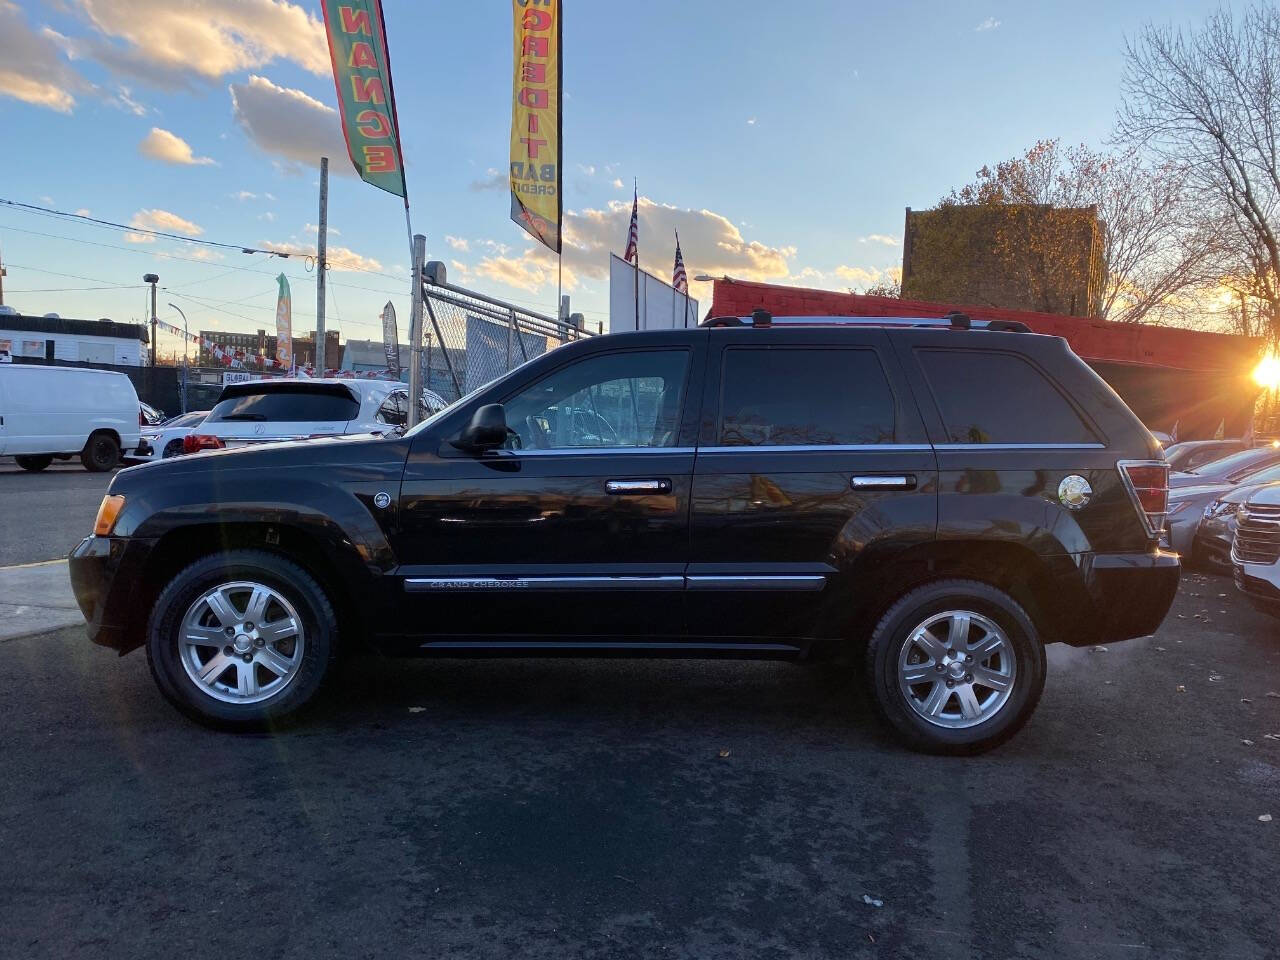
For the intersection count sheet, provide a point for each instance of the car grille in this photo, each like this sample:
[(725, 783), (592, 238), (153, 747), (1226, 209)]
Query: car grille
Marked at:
[(1257, 535)]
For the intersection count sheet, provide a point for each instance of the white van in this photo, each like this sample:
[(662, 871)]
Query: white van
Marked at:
[(48, 412)]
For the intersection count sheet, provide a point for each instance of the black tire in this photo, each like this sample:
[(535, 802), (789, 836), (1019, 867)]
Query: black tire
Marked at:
[(101, 453), (171, 449), (320, 629), (895, 628), (34, 463)]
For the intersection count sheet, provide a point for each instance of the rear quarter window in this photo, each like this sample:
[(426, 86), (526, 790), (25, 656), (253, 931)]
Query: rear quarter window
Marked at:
[(287, 406), (994, 397)]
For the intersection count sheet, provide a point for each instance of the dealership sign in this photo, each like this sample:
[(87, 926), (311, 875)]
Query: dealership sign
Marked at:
[(366, 100), (535, 177)]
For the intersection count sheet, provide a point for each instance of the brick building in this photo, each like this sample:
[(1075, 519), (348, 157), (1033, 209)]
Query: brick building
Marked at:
[(1014, 256)]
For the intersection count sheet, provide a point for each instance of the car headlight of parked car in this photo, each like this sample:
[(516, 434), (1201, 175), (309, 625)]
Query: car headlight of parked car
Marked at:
[(1218, 510)]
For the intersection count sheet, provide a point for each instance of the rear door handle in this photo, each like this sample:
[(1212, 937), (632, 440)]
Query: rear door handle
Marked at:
[(895, 481), (623, 487)]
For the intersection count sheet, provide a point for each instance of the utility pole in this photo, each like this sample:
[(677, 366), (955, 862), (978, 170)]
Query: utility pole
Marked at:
[(415, 329), (3, 273), (186, 337), (152, 279), (322, 243)]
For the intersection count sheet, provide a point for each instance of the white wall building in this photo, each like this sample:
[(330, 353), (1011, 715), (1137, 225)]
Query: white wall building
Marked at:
[(56, 338)]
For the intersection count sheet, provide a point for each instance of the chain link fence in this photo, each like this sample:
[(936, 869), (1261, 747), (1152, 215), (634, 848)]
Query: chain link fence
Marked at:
[(471, 339)]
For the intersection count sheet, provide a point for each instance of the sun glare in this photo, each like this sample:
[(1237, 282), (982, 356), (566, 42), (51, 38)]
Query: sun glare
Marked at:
[(1267, 373)]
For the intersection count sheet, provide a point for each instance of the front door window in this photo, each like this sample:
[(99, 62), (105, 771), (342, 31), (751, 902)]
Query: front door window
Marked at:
[(618, 400)]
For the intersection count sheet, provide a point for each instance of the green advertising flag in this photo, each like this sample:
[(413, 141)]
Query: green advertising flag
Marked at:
[(366, 98)]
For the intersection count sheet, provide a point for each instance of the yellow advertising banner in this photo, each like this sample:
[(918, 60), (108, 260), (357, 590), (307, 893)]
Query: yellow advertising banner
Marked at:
[(536, 202)]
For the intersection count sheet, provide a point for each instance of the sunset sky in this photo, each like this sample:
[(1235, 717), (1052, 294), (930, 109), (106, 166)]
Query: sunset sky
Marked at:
[(783, 140)]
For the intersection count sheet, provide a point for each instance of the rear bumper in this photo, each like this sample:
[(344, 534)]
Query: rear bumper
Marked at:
[(106, 573), (1108, 597)]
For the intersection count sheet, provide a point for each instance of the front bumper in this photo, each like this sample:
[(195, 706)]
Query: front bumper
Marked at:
[(1108, 597), (106, 573), (1263, 594)]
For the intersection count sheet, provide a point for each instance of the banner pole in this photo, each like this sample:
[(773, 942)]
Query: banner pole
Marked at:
[(415, 330), (322, 243)]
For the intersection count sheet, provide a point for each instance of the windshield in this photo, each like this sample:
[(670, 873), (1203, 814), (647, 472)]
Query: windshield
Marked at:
[(1238, 463)]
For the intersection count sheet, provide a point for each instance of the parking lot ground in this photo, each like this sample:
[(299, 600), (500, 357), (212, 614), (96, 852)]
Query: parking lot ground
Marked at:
[(584, 809), (44, 515)]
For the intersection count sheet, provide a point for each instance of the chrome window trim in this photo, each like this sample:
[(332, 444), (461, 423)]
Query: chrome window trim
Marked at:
[(816, 448), (1021, 446), (595, 451)]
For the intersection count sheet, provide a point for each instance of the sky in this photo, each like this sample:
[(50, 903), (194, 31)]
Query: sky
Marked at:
[(783, 141)]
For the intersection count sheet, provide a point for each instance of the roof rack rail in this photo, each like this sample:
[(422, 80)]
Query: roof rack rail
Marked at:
[(954, 321)]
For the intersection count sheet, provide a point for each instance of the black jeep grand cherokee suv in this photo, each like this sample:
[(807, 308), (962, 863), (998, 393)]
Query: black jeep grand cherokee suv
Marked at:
[(940, 501)]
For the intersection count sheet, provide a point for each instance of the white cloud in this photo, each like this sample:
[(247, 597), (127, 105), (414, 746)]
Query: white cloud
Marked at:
[(879, 238), (83, 212), (289, 124), (165, 43), (458, 243), (123, 100), (494, 179), (340, 258), (330, 229), (157, 219), (170, 148), (588, 168), (267, 216), (845, 277), (31, 67), (751, 122), (243, 195), (991, 23), (619, 185), (710, 242)]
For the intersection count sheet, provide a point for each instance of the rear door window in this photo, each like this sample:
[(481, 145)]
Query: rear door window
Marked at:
[(286, 405), (992, 397), (804, 396)]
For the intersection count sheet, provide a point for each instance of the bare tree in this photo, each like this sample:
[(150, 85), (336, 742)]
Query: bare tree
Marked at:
[(1208, 102), (1154, 253)]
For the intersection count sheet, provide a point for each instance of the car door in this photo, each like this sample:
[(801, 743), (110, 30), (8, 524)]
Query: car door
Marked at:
[(812, 464), (578, 531)]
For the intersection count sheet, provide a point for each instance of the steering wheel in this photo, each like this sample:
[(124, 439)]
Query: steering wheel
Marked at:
[(537, 433)]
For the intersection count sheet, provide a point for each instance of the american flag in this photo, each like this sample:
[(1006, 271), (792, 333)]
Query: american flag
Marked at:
[(633, 234), (679, 279)]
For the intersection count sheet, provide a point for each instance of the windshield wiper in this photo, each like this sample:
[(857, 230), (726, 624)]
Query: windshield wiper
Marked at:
[(245, 416)]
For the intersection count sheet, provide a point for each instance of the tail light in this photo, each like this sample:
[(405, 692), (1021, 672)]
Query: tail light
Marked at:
[(1148, 484), (195, 442), (142, 419)]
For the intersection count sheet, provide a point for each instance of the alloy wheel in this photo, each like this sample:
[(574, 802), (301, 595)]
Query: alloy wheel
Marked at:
[(241, 642), (957, 669)]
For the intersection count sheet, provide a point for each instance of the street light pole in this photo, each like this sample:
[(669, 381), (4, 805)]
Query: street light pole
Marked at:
[(152, 279), (185, 341)]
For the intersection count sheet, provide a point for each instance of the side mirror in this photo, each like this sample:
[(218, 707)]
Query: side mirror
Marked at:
[(486, 430)]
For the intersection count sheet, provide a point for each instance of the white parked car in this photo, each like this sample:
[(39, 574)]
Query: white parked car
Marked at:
[(48, 412), (263, 411), (164, 440)]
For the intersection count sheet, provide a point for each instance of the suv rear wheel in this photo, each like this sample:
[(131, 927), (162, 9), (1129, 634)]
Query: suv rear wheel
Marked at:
[(956, 667), (242, 639), (34, 463)]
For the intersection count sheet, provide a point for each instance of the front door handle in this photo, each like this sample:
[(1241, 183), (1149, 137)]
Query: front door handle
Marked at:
[(623, 487), (896, 481)]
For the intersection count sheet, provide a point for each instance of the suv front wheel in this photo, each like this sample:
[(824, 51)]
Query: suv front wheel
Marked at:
[(242, 639), (956, 667)]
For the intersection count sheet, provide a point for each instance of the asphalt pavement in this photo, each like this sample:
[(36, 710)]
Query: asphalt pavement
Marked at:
[(593, 809), (44, 515)]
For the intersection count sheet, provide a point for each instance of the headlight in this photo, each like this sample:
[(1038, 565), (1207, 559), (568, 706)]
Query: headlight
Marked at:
[(107, 513), (1217, 510)]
